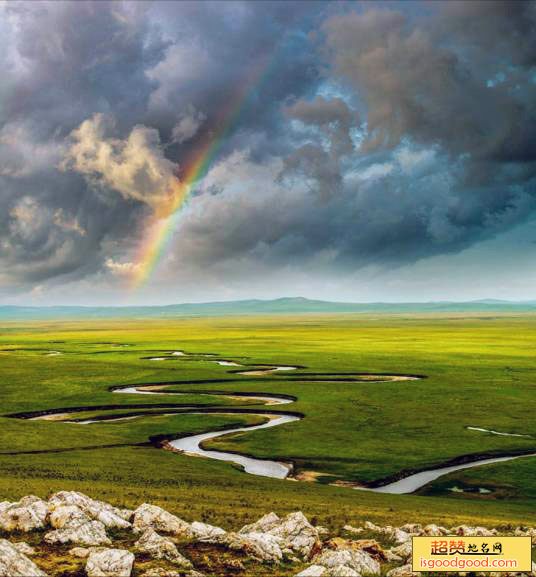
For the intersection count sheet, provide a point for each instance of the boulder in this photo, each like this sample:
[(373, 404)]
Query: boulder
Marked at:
[(160, 572), (464, 530), (434, 531), (90, 533), (392, 557), (399, 536), (261, 546), (346, 561), (25, 515), (67, 516), (13, 563), (154, 517), (98, 510), (24, 548), (110, 563), (354, 530), (412, 528), (160, 548), (403, 571), (405, 551), (294, 531), (370, 546), (373, 527), (202, 530), (312, 571), (263, 525)]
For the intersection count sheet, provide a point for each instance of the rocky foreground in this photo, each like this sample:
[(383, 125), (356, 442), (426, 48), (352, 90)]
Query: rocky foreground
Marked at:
[(71, 534)]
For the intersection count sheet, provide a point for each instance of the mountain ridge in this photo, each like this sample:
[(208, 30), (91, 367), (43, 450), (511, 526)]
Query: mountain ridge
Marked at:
[(257, 306)]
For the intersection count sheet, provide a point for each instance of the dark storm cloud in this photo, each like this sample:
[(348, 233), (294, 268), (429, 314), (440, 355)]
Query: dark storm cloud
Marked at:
[(427, 83), (360, 135), (143, 66)]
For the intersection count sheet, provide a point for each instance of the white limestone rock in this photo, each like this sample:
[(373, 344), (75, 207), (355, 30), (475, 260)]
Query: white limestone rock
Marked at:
[(24, 548), (312, 571), (354, 530), (25, 515), (261, 546), (98, 510), (67, 516), (433, 530), (412, 528), (403, 571), (90, 533), (359, 561), (464, 530), (202, 531), (264, 524), (13, 563), (84, 552), (160, 548), (154, 517), (110, 563), (161, 572), (294, 531), (405, 550)]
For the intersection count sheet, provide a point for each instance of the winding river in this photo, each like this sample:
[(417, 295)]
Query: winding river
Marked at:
[(193, 444)]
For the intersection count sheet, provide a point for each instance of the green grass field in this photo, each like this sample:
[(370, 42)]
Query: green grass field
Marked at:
[(480, 372)]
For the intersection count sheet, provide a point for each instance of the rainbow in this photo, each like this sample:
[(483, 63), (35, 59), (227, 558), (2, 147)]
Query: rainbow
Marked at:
[(157, 240)]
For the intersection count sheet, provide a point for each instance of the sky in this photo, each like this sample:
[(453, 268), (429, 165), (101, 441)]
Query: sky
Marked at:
[(167, 152)]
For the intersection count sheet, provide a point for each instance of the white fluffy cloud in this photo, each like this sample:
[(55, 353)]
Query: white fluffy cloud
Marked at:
[(135, 166)]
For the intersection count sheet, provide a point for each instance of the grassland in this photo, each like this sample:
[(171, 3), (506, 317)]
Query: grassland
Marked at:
[(480, 372)]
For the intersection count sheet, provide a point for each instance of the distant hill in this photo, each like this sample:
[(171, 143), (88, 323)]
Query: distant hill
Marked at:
[(253, 307)]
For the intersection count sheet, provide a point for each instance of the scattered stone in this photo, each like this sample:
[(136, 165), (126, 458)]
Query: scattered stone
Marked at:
[(98, 510), (464, 530), (412, 528), (372, 527), (160, 572), (110, 563), (392, 557), (530, 532), (405, 550), (347, 562), (263, 525), (68, 516), (160, 548), (434, 531), (202, 530), (399, 536), (312, 571), (370, 546), (90, 533), (13, 563), (355, 530), (24, 548), (25, 515), (295, 532), (404, 571), (260, 546), (154, 517)]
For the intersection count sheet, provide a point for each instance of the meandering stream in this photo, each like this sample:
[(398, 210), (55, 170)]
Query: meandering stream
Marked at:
[(192, 444)]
